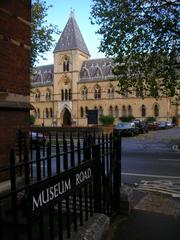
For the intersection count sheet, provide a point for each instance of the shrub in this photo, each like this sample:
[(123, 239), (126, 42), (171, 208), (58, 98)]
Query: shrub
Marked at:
[(127, 119), (109, 119)]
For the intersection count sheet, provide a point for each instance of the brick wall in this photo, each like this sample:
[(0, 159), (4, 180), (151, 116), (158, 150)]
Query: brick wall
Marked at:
[(14, 56), (10, 122), (15, 31)]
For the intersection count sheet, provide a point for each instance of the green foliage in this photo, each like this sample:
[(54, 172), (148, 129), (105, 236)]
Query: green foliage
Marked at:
[(127, 119), (150, 119), (42, 32), (109, 119), (143, 38), (32, 119)]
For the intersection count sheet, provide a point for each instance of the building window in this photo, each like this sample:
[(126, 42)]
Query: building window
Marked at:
[(66, 65), (70, 95), (116, 111), (156, 110), (48, 95), (97, 73), (37, 96), (129, 110), (143, 110), (66, 95), (111, 110), (111, 92), (124, 112), (97, 93), (51, 113), (85, 73), (62, 95), (84, 93), (38, 113), (81, 112), (47, 113)]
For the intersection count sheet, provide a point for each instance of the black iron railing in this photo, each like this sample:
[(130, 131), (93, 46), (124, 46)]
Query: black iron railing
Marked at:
[(55, 184)]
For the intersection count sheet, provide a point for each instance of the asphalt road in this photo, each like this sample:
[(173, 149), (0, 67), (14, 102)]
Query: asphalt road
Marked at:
[(152, 158)]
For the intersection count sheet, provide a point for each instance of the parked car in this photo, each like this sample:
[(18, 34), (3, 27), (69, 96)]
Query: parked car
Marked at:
[(152, 125), (169, 124), (36, 137), (141, 125), (162, 125), (126, 129)]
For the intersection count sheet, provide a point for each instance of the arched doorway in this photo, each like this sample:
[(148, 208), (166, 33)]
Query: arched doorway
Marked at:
[(66, 117)]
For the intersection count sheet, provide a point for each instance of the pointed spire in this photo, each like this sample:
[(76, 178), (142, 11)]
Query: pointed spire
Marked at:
[(71, 37), (72, 13)]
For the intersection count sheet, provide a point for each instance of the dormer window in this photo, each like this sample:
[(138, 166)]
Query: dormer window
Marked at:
[(97, 72), (66, 65), (85, 73)]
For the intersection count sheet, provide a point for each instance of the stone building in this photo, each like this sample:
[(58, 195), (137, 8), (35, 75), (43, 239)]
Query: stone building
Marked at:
[(15, 31), (64, 91)]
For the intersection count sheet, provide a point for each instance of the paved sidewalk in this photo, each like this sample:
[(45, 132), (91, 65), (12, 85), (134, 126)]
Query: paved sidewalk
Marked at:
[(155, 217)]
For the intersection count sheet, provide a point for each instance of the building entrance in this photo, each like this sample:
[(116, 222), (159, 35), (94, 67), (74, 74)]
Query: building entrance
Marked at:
[(67, 117)]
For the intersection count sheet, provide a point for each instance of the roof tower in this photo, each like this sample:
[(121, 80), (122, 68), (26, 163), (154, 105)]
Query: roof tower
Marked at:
[(71, 37)]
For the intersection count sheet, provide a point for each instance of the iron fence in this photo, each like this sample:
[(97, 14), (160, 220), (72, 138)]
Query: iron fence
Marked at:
[(56, 184)]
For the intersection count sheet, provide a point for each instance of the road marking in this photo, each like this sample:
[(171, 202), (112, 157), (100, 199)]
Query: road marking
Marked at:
[(150, 175), (170, 159)]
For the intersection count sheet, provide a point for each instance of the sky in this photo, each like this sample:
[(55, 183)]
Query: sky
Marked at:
[(59, 14)]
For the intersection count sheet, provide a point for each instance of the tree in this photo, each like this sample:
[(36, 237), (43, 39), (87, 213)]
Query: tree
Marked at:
[(31, 119), (106, 120), (42, 33), (143, 38)]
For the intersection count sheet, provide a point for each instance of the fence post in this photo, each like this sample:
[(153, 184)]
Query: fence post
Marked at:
[(116, 171), (14, 194), (96, 178)]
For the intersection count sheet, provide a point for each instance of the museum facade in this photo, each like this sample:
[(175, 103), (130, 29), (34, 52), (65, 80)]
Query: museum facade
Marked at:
[(63, 92)]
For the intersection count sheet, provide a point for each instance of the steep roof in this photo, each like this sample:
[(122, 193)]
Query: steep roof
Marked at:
[(89, 70), (71, 37), (43, 75)]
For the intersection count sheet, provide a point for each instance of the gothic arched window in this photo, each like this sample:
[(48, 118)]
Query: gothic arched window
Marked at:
[(66, 95), (111, 92), (156, 110), (66, 65), (111, 110), (51, 112), (37, 96), (48, 95), (143, 110), (97, 93), (70, 95), (116, 111), (129, 110), (81, 112), (124, 112), (47, 113), (84, 93), (62, 95)]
